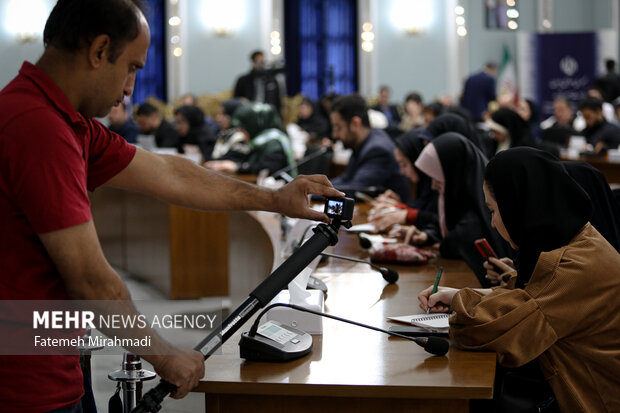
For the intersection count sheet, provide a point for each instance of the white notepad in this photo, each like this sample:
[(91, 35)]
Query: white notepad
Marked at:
[(437, 320), (362, 228)]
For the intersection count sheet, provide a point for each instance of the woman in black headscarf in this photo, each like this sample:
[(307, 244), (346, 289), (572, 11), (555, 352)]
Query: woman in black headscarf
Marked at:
[(423, 209), (561, 309), (606, 215), (456, 166), (451, 122), (190, 123), (509, 130), (311, 120)]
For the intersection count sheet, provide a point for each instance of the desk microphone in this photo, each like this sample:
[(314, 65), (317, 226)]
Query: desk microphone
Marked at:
[(389, 275), (283, 173), (434, 345), (364, 242)]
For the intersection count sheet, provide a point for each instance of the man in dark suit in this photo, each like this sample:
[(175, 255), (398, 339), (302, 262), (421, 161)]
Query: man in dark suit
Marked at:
[(384, 106), (260, 84), (372, 162), (609, 83), (598, 132), (479, 90), (121, 123)]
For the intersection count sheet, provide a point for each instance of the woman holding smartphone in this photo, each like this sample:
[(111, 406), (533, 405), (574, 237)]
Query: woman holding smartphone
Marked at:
[(560, 311)]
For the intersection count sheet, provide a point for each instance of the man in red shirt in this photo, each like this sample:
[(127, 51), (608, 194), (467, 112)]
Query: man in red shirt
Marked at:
[(52, 152)]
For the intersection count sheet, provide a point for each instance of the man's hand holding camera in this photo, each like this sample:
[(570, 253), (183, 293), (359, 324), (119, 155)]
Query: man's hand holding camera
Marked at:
[(292, 199)]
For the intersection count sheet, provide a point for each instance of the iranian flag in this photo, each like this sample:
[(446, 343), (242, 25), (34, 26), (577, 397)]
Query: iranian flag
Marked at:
[(507, 77)]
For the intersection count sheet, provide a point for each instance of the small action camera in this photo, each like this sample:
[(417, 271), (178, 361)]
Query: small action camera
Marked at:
[(339, 208)]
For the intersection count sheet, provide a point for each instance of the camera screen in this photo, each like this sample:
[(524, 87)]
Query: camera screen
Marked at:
[(334, 207)]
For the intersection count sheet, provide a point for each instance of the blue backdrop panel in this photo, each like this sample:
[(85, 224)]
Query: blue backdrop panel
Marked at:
[(320, 46), (565, 65), (151, 81)]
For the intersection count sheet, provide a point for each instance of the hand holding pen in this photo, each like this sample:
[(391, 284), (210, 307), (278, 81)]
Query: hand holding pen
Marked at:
[(436, 299)]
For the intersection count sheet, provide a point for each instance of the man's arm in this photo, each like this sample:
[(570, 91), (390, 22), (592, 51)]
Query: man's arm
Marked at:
[(86, 274), (176, 180)]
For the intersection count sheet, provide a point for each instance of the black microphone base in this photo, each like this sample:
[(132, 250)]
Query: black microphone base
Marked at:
[(259, 348)]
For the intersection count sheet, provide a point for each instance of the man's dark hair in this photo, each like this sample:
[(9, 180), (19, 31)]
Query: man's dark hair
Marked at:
[(435, 108), (255, 54), (73, 25), (146, 109), (491, 65), (414, 96), (610, 65), (349, 106), (591, 103)]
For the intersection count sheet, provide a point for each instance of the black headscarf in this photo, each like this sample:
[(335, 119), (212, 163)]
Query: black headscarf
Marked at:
[(451, 122), (410, 144), (541, 206), (194, 115), (316, 125), (198, 134), (606, 215), (230, 106), (518, 129), (467, 216)]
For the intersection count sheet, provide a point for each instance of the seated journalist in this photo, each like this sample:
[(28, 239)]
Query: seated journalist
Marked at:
[(558, 312), (372, 162)]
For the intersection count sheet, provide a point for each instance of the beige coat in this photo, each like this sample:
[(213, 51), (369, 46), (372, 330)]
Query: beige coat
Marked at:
[(568, 316)]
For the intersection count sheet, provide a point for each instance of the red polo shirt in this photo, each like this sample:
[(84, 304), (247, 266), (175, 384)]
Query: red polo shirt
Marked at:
[(50, 156)]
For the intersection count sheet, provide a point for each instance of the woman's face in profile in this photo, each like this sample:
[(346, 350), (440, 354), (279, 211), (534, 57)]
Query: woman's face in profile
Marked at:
[(496, 217), (405, 166)]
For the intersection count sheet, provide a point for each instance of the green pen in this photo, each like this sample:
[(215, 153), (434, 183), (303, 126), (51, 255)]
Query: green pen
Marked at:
[(428, 310)]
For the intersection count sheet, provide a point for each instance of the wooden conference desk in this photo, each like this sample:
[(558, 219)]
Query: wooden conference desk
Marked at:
[(610, 169), (351, 369)]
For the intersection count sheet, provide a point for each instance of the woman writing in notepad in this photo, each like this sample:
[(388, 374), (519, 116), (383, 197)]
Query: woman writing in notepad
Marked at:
[(560, 308), (456, 167)]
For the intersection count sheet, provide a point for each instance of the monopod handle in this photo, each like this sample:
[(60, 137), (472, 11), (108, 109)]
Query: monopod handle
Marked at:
[(151, 402)]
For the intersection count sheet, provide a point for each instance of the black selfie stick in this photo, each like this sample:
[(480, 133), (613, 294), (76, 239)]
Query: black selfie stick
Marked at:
[(324, 236)]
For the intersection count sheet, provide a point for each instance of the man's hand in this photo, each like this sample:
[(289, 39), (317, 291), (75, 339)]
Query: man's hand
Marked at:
[(439, 302), (184, 369), (503, 264), (292, 199)]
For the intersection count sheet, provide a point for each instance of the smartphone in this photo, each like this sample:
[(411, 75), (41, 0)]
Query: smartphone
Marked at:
[(412, 331), (484, 248)]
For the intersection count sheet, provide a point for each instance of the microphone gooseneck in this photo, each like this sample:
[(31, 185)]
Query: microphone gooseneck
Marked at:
[(283, 173), (434, 345), (389, 275)]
